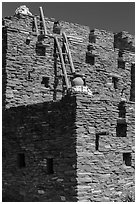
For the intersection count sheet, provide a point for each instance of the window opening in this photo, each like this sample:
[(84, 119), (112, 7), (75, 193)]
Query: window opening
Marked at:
[(121, 63), (90, 58), (121, 130), (127, 158), (92, 37), (132, 89), (21, 160), (56, 27), (40, 49), (122, 110), (115, 82), (97, 142), (50, 166), (45, 81)]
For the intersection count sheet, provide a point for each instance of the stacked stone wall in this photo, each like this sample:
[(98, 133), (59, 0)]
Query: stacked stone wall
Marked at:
[(41, 132), (79, 135), (102, 173)]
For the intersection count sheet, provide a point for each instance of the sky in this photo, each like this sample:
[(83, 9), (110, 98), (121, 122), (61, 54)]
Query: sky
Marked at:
[(110, 16)]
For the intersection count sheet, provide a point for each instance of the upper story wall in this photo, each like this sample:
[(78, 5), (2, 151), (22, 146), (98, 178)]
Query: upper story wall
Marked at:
[(105, 59)]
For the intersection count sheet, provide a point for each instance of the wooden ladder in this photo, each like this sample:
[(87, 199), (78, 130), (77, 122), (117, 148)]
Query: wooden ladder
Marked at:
[(42, 23), (62, 51)]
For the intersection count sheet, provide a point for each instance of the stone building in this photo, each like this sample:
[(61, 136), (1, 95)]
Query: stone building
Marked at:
[(67, 147)]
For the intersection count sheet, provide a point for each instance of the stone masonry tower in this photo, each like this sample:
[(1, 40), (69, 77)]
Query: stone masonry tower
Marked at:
[(60, 146)]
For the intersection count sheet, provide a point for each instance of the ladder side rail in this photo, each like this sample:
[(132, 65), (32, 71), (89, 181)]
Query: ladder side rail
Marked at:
[(68, 52), (62, 63), (43, 21), (36, 25), (55, 71)]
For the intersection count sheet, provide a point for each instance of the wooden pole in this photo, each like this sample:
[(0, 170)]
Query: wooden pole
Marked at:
[(43, 20), (62, 63), (68, 52), (36, 25)]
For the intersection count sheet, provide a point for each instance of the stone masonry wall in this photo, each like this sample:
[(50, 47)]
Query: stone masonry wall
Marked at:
[(25, 67), (42, 132), (72, 148), (102, 174)]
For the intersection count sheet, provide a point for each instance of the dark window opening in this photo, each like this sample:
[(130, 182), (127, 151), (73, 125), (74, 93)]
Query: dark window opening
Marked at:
[(97, 142), (90, 58), (40, 49), (127, 159), (50, 166), (45, 81), (121, 63), (29, 75), (115, 82), (28, 41), (122, 110), (90, 47), (56, 27), (84, 81), (120, 54), (121, 130), (132, 89), (21, 160), (92, 37)]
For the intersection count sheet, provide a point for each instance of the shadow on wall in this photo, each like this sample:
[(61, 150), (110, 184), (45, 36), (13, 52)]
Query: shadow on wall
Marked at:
[(123, 42), (4, 74), (39, 152)]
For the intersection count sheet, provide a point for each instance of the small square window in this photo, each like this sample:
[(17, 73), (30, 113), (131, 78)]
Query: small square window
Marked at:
[(90, 58), (121, 130), (92, 37), (115, 82), (127, 159), (120, 54), (50, 169), (121, 63), (45, 81), (21, 160), (40, 49)]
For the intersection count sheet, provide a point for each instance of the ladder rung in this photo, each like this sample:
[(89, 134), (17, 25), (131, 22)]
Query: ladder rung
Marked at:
[(43, 45), (61, 75), (65, 64), (62, 53)]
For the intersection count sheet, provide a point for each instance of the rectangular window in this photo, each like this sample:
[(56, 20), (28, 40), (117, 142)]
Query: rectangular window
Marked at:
[(120, 54), (90, 58), (132, 89), (50, 166), (121, 130), (127, 159), (115, 82), (21, 160), (121, 63), (40, 49), (92, 37), (122, 110), (97, 142), (45, 81)]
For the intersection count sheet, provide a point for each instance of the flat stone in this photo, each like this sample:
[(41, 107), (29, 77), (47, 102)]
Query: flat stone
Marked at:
[(41, 191)]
